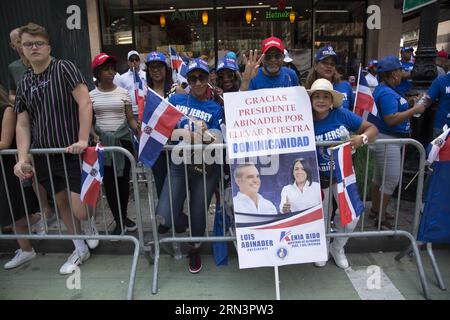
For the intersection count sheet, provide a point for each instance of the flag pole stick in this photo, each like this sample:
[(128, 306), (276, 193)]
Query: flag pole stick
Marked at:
[(339, 145), (212, 88), (414, 178), (357, 87)]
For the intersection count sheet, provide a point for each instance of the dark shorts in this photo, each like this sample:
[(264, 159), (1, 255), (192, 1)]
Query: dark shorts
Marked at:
[(60, 182)]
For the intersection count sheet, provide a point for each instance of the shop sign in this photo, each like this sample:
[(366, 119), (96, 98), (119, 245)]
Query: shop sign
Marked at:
[(277, 15), (185, 15)]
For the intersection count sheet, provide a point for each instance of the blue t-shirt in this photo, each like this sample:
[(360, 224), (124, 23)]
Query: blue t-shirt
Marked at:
[(440, 91), (346, 89), (328, 129), (208, 111), (405, 85), (389, 102), (286, 78)]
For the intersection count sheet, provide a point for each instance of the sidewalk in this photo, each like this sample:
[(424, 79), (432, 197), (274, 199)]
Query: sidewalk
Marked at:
[(106, 276)]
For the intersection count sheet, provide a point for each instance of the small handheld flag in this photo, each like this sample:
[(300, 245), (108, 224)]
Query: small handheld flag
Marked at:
[(139, 94), (160, 118), (364, 102), (92, 175), (350, 205)]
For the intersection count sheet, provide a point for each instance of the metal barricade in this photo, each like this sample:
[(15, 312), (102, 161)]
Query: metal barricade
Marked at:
[(376, 231), (51, 234)]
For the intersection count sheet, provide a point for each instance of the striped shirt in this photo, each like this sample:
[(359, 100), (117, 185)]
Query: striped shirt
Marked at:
[(109, 108), (48, 99)]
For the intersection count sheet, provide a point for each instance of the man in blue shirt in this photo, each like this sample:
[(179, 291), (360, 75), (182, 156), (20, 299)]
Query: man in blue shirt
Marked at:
[(407, 65), (272, 74)]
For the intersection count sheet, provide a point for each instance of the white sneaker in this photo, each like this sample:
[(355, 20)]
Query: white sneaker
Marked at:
[(91, 230), (20, 258), (339, 257), (320, 264), (73, 261), (39, 227)]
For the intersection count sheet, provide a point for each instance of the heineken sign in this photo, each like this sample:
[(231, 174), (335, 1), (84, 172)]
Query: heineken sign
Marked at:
[(411, 5), (277, 15)]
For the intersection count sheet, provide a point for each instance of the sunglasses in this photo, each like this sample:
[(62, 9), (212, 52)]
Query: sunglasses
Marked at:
[(226, 75), (155, 65), (37, 44), (202, 78), (270, 56), (134, 60)]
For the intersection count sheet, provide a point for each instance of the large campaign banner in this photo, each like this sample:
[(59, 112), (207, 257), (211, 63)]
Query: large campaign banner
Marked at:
[(275, 180)]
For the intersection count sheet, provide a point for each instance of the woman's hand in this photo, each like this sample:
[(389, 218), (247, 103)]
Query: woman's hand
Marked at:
[(286, 206), (356, 141)]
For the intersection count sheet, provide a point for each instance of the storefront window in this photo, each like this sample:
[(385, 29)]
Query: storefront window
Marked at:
[(187, 27), (341, 25), (116, 22)]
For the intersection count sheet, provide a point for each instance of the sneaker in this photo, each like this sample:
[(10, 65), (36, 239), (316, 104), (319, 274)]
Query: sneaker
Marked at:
[(73, 261), (195, 262), (339, 257), (39, 227), (163, 229), (130, 225), (20, 258), (118, 230), (320, 264), (90, 229)]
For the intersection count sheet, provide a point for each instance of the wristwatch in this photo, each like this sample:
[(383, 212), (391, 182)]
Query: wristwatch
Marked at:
[(365, 139)]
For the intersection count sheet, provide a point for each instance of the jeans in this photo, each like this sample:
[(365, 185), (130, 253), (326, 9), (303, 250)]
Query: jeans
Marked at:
[(197, 193)]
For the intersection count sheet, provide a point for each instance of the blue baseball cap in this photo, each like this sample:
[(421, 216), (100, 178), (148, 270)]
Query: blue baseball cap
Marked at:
[(389, 63), (227, 63), (198, 64), (403, 49), (324, 53), (155, 56)]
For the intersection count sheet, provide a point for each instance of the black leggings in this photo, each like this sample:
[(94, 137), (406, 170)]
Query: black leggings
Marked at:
[(123, 185)]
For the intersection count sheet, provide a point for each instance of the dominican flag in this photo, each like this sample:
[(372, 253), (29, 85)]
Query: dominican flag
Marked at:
[(178, 66), (160, 118), (139, 94), (364, 102), (350, 205), (439, 148), (91, 175), (435, 221)]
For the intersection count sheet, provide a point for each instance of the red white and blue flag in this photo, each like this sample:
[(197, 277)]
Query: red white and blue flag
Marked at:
[(439, 148), (139, 94), (350, 204), (364, 103), (160, 118), (91, 175), (178, 66)]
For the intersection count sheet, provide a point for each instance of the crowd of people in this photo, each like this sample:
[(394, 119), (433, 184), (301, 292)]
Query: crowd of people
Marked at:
[(49, 106)]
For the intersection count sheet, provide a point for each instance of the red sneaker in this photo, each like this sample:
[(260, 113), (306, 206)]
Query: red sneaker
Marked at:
[(195, 262)]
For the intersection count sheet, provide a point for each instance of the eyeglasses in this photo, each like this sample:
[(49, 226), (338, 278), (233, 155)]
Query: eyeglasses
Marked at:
[(202, 78), (270, 56), (37, 44)]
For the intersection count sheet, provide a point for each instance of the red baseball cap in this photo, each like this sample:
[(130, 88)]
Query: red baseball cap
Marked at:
[(101, 59), (272, 42), (443, 54)]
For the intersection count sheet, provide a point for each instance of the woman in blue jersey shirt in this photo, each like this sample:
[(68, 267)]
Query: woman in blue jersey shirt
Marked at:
[(331, 122), (202, 115), (393, 123), (325, 68)]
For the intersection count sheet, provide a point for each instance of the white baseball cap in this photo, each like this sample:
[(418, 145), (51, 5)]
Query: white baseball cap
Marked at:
[(132, 53)]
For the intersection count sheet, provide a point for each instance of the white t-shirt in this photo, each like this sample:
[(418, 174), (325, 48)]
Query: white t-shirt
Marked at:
[(372, 81), (109, 108), (243, 204), (301, 200), (126, 81)]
